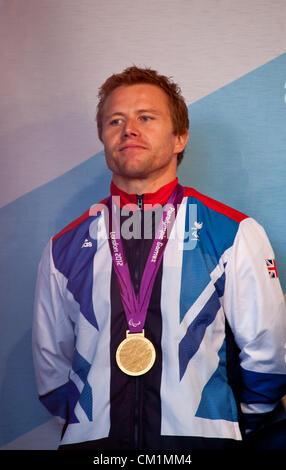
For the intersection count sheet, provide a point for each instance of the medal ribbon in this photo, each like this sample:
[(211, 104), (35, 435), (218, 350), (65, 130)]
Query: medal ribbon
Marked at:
[(136, 307)]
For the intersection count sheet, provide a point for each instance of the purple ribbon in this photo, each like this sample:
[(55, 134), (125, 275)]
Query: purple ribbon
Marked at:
[(136, 307)]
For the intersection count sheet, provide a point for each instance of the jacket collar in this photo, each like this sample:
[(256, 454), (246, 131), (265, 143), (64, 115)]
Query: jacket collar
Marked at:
[(159, 197)]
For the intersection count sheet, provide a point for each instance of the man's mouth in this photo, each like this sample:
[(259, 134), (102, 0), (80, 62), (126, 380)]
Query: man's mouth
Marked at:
[(131, 146)]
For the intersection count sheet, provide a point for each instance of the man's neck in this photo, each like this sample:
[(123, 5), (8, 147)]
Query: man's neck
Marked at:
[(142, 186)]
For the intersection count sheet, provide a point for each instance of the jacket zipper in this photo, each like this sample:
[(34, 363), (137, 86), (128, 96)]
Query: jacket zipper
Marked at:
[(137, 252), (140, 201), (137, 285)]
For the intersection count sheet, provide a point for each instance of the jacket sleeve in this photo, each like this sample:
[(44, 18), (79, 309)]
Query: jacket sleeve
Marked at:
[(255, 308), (52, 337)]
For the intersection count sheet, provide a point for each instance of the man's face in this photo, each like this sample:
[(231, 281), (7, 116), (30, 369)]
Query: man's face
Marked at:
[(138, 132)]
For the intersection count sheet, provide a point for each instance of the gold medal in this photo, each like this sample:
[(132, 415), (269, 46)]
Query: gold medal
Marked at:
[(136, 354)]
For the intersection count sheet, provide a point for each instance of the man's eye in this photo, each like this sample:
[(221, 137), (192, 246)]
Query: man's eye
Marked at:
[(145, 118), (115, 122)]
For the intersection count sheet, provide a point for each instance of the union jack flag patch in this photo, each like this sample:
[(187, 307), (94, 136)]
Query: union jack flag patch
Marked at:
[(271, 266)]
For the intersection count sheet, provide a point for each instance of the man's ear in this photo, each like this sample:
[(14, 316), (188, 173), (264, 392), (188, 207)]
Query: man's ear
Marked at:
[(181, 142)]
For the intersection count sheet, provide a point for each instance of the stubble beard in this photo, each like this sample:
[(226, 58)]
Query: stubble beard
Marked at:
[(141, 170), (130, 168)]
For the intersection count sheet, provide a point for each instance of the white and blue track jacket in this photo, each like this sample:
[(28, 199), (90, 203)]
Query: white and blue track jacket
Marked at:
[(217, 319)]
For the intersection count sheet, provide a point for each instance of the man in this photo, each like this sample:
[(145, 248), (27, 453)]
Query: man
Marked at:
[(171, 334)]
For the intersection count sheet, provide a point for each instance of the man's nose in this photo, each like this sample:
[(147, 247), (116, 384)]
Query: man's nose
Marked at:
[(130, 128)]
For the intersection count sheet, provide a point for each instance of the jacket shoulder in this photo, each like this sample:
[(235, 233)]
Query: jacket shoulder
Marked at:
[(91, 212), (216, 205)]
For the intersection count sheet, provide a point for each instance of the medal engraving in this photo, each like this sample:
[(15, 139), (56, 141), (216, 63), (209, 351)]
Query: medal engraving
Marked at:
[(136, 354)]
